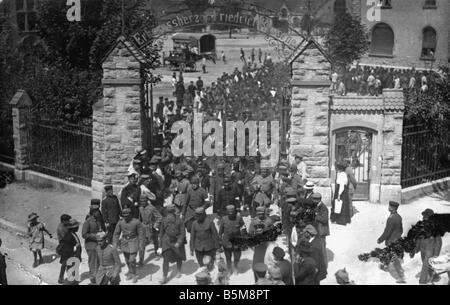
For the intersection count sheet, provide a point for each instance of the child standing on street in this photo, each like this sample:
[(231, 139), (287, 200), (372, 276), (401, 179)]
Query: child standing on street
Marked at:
[(36, 237)]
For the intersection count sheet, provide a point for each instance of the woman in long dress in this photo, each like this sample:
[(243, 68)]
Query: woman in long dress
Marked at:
[(343, 216)]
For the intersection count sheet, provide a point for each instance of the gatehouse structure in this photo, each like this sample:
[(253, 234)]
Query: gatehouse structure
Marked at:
[(326, 128)]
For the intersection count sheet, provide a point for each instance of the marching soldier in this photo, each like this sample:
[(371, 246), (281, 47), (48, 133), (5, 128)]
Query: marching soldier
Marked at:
[(232, 225), (196, 198), (92, 227), (216, 185), (227, 196), (260, 270), (258, 225), (129, 232), (172, 237), (151, 221), (204, 238), (110, 210), (179, 188), (109, 263)]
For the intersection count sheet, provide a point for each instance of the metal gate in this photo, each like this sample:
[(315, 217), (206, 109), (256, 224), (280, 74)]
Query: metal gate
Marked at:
[(355, 147)]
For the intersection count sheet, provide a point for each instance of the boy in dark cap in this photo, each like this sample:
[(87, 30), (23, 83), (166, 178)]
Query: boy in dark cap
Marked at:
[(392, 233), (284, 265)]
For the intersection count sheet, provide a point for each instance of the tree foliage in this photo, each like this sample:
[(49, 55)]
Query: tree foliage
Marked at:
[(62, 70), (432, 108), (347, 40)]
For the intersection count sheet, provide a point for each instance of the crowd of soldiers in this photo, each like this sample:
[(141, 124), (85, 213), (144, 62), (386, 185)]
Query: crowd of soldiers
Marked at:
[(366, 80)]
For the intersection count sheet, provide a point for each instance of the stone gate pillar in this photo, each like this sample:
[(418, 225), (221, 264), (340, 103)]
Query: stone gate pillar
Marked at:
[(117, 132), (310, 115)]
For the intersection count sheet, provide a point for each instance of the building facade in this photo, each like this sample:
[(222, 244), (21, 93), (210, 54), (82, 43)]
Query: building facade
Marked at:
[(406, 33)]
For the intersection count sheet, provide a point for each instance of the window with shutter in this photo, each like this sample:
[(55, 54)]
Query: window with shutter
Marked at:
[(382, 40), (429, 42)]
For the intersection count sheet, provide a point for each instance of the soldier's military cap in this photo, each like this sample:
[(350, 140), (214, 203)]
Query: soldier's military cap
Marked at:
[(177, 173), (316, 196), (137, 161), (394, 204), (227, 180), (260, 267), (260, 210), (291, 200), (126, 212), (108, 188), (195, 180), (221, 165), (310, 229), (186, 173), (199, 210), (145, 176), (231, 208), (157, 149)]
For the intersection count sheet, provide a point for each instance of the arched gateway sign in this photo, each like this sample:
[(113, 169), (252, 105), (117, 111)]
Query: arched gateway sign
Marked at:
[(284, 43)]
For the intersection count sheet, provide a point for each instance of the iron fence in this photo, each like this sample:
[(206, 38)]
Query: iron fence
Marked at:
[(6, 135), (61, 150), (425, 156)]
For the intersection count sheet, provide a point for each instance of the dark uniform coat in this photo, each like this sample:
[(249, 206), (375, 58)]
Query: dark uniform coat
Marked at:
[(204, 235), (393, 230), (172, 232), (322, 220), (194, 199), (89, 232), (70, 247), (111, 209), (129, 198), (230, 228), (129, 235)]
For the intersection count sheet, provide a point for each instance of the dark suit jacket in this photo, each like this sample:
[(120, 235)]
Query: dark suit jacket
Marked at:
[(111, 209), (322, 217), (68, 249), (393, 230)]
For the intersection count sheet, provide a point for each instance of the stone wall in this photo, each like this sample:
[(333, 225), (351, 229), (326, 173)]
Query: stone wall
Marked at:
[(117, 131), (310, 116)]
